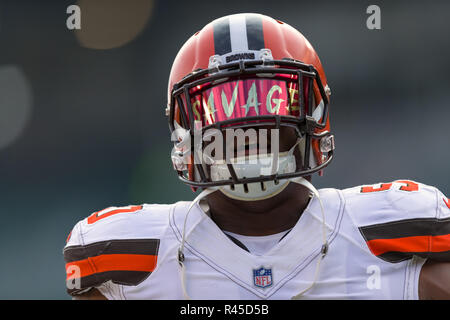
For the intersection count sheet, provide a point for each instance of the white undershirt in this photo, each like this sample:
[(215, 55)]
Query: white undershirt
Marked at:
[(258, 245)]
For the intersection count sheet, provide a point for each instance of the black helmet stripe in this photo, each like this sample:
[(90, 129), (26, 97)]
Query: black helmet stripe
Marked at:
[(255, 35), (222, 39), (238, 33)]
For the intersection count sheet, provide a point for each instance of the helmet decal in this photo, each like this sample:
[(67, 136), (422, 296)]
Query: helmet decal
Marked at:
[(238, 33)]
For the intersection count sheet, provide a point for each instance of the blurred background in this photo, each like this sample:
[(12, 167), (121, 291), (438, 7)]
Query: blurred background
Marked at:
[(82, 124)]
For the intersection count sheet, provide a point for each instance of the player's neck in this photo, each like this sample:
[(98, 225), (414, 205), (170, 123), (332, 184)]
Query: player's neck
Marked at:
[(259, 218)]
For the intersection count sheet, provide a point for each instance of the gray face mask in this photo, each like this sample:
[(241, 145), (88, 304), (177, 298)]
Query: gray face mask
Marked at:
[(254, 166)]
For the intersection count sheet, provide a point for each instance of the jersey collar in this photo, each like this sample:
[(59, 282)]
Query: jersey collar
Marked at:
[(286, 259)]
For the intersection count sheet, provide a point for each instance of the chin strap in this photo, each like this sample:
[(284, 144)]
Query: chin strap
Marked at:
[(206, 192), (324, 248)]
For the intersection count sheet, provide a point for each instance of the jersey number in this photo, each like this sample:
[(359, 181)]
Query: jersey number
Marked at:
[(111, 211), (409, 186)]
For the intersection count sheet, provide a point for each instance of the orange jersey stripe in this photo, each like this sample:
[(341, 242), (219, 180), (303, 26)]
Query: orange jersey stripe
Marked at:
[(410, 244), (447, 202), (111, 262), (95, 217)]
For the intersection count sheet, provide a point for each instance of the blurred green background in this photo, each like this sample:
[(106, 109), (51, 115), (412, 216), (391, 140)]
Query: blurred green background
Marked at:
[(82, 123)]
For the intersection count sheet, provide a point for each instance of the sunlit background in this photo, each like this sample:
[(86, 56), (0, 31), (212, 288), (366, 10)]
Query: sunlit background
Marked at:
[(82, 124)]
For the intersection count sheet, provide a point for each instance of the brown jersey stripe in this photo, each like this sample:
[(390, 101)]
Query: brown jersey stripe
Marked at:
[(125, 246), (129, 278), (406, 228), (394, 256)]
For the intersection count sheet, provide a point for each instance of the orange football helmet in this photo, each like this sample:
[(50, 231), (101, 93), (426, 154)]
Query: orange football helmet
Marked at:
[(212, 79)]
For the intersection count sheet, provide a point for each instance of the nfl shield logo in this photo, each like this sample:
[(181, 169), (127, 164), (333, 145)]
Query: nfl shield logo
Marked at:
[(262, 277)]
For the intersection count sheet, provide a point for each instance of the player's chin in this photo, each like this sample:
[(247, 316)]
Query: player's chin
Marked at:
[(291, 189)]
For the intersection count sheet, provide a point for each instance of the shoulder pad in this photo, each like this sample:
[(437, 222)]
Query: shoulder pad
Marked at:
[(117, 244), (401, 219)]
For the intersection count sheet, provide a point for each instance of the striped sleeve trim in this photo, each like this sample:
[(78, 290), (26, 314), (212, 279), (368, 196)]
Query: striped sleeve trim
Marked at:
[(400, 240), (127, 262)]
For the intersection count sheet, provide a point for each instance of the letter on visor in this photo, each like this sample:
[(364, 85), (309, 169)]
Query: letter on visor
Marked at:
[(245, 98)]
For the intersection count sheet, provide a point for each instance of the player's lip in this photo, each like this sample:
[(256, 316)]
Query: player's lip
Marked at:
[(254, 148)]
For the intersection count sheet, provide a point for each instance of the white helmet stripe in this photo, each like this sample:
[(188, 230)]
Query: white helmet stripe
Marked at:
[(318, 112), (238, 33)]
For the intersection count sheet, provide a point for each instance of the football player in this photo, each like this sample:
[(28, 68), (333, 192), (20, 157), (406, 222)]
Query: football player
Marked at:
[(259, 229)]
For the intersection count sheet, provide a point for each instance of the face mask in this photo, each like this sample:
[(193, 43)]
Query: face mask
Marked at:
[(254, 166)]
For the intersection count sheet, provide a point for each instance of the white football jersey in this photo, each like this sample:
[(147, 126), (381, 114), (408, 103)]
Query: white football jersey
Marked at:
[(379, 237)]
